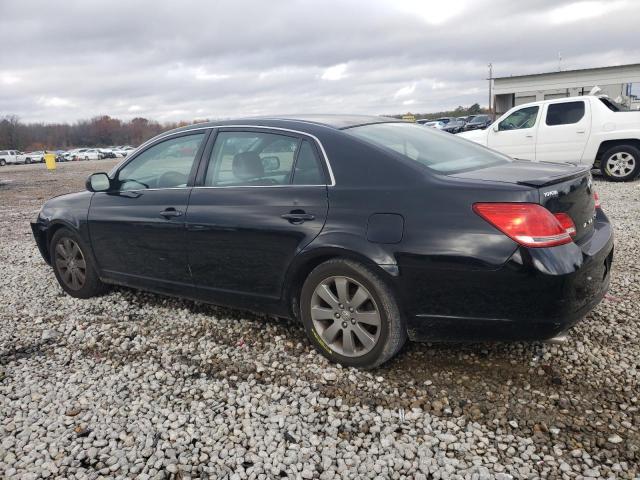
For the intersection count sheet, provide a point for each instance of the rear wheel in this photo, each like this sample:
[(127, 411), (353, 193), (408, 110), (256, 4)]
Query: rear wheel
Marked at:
[(621, 163), (73, 267), (3, 162), (27, 161), (350, 314)]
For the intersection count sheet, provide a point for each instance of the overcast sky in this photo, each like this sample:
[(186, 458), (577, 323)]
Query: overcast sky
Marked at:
[(182, 59)]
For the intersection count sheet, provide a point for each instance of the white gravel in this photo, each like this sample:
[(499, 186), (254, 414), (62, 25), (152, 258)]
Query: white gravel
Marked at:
[(137, 385)]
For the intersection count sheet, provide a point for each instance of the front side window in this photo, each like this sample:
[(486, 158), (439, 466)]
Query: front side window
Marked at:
[(253, 159), (164, 165), (441, 152), (523, 118), (564, 113)]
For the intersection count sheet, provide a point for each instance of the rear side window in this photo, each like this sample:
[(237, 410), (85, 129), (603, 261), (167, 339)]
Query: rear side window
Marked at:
[(308, 170), (565, 113), (251, 159)]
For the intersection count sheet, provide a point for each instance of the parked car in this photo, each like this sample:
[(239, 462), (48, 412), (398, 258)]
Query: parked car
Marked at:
[(107, 153), (454, 126), (34, 157), (86, 154), (588, 130), (11, 157), (478, 122), (434, 124), (438, 239)]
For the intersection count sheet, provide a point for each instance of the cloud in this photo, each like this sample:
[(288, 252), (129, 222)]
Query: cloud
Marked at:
[(54, 102), (250, 57), (405, 91), (580, 11), (337, 72)]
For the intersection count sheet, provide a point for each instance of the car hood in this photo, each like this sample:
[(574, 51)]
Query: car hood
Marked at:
[(478, 136)]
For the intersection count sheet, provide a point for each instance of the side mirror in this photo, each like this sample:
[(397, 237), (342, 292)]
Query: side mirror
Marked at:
[(98, 182), (271, 164), (495, 127)]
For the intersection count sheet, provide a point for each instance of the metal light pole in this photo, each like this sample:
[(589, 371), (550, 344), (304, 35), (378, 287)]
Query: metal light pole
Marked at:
[(490, 93)]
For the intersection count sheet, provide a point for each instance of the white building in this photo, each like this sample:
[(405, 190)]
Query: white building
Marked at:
[(621, 83)]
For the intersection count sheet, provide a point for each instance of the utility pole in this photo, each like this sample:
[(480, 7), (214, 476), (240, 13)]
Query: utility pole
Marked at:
[(490, 93), (559, 62)]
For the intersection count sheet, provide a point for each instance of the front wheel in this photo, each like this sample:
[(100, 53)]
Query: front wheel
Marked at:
[(350, 314), (621, 163), (73, 267)]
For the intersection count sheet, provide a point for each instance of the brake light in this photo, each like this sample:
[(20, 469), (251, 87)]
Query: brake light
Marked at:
[(567, 223), (529, 224), (596, 198)]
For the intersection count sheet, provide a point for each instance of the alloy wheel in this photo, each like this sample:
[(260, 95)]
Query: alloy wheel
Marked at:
[(620, 164), (346, 316), (70, 263)]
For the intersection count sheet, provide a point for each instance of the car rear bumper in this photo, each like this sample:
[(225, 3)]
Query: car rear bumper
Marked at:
[(538, 294)]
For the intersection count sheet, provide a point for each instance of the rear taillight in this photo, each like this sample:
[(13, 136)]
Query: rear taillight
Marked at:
[(529, 224), (567, 223), (596, 199)]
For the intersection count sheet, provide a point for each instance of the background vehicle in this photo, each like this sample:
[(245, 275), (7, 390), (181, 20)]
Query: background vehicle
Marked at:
[(434, 124), (8, 157), (478, 122), (107, 153), (362, 270), (586, 130), (454, 126), (34, 157)]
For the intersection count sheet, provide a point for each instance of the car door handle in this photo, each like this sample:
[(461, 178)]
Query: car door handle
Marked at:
[(580, 131), (171, 212), (298, 217), (529, 136)]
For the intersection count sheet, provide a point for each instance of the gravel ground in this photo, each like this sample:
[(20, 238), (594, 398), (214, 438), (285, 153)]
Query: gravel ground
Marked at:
[(138, 385)]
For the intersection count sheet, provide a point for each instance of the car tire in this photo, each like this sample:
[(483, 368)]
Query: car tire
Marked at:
[(3, 162), (73, 266), (620, 163), (374, 326), (27, 161)]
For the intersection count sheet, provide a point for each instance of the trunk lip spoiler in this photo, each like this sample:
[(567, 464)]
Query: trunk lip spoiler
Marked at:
[(553, 179)]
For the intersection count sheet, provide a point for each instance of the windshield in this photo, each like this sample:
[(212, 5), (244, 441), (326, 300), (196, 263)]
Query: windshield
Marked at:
[(479, 119), (436, 150)]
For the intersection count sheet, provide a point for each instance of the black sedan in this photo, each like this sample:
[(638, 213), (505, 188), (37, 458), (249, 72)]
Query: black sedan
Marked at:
[(478, 122), (368, 230)]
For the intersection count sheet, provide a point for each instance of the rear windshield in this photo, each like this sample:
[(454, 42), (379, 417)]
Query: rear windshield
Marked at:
[(614, 106), (442, 152)]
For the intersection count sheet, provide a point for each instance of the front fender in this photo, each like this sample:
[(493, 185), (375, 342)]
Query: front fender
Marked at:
[(70, 211)]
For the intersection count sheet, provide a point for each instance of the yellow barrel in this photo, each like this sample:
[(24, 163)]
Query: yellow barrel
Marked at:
[(50, 160)]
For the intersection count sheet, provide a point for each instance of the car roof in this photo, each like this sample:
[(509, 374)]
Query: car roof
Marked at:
[(573, 98), (334, 121)]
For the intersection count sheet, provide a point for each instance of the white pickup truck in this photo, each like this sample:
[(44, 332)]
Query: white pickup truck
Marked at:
[(587, 130), (11, 157)]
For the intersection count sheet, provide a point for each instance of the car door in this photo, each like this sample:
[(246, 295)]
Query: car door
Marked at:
[(563, 135), (260, 199), (515, 135), (137, 228)]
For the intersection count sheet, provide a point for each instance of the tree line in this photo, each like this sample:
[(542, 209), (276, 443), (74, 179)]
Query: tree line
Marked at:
[(99, 131), (460, 111)]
